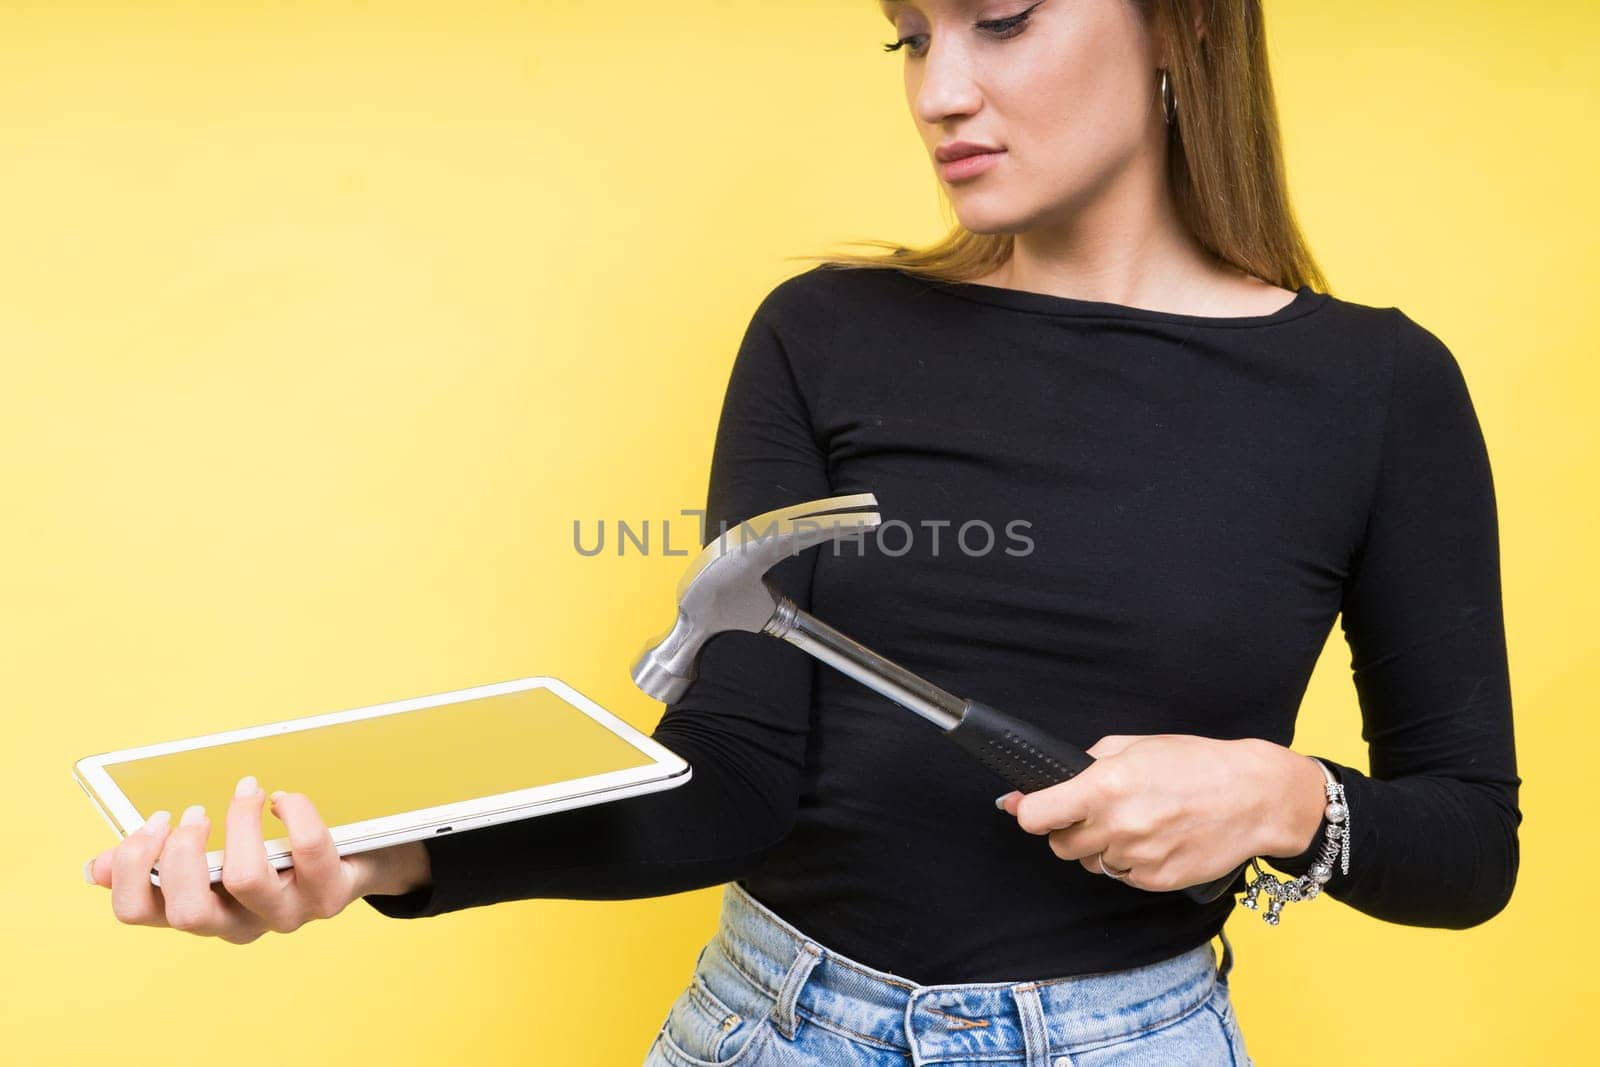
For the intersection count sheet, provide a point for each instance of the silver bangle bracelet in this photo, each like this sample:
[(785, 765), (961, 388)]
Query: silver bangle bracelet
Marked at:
[(1336, 841)]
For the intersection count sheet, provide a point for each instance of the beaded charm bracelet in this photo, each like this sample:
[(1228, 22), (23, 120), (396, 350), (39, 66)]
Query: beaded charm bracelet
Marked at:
[(1336, 841)]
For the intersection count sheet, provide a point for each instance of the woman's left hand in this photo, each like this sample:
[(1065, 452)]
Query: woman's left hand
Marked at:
[(1173, 810)]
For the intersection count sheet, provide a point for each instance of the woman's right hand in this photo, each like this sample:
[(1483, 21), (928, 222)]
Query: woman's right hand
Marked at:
[(253, 896)]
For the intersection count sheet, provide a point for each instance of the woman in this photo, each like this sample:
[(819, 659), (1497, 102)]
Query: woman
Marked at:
[(1139, 465)]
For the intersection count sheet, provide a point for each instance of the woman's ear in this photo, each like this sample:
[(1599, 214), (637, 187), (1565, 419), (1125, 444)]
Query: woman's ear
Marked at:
[(1201, 8), (1164, 46)]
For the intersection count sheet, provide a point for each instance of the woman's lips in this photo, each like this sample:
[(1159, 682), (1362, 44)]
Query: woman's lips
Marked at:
[(969, 166)]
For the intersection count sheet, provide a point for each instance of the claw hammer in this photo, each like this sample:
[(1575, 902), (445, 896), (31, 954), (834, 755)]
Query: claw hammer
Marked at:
[(726, 587)]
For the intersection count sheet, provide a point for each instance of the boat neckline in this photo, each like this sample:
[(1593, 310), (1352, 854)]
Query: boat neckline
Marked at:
[(1305, 301)]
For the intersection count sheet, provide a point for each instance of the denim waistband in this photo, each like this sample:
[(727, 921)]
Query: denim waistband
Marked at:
[(808, 981)]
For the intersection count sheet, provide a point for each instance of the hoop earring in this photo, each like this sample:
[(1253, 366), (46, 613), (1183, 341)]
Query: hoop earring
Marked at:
[(1169, 101)]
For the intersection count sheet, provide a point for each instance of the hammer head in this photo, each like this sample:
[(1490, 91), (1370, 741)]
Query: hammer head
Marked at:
[(726, 586)]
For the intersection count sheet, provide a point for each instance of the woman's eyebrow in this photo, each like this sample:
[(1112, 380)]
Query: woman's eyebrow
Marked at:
[(888, 6)]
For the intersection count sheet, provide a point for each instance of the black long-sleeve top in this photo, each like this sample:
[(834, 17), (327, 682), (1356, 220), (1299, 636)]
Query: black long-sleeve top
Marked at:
[(1178, 507)]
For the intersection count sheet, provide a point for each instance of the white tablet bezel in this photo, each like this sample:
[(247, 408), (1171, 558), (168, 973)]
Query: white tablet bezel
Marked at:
[(666, 769)]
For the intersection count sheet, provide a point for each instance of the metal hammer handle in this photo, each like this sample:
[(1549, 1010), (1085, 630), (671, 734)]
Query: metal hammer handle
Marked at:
[(1025, 756)]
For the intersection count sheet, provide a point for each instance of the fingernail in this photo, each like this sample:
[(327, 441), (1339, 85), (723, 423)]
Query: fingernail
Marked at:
[(1000, 801), (277, 794), (157, 822), (88, 871), (246, 786), (192, 815)]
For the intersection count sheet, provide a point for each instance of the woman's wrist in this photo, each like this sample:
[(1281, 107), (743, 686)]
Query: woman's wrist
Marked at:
[(400, 869), (1292, 801)]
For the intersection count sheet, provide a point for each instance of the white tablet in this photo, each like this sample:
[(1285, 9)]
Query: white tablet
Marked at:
[(395, 772)]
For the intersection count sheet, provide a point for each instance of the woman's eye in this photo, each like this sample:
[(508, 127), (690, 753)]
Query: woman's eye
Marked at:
[(1009, 27), (1001, 28), (902, 42)]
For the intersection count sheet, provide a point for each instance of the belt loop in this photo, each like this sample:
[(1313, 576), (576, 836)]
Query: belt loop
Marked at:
[(1227, 957), (783, 1012), (1035, 1030)]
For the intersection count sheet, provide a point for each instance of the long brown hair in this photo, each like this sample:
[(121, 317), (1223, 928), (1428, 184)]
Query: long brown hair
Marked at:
[(1224, 159)]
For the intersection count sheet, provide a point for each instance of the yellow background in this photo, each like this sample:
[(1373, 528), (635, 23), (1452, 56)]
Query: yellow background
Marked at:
[(321, 323)]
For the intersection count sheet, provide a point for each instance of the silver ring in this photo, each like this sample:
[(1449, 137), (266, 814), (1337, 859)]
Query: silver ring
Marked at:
[(1100, 858)]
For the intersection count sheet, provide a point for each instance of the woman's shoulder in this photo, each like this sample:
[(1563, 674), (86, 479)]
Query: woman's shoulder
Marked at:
[(1414, 375), (1410, 350), (1393, 346), (828, 285), (1402, 329), (817, 308)]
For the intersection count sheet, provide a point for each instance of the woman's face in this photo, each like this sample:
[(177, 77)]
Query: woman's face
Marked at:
[(1067, 89)]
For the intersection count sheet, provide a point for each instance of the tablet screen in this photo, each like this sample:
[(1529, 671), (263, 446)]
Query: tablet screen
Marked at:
[(386, 764)]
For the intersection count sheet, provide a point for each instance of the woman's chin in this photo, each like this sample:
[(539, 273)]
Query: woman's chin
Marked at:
[(989, 223)]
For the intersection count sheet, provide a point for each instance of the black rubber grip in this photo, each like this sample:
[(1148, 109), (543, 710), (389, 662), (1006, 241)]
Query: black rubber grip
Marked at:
[(1023, 755), (1029, 759)]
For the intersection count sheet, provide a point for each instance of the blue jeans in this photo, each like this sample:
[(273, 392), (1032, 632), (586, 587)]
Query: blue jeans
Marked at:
[(764, 993)]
